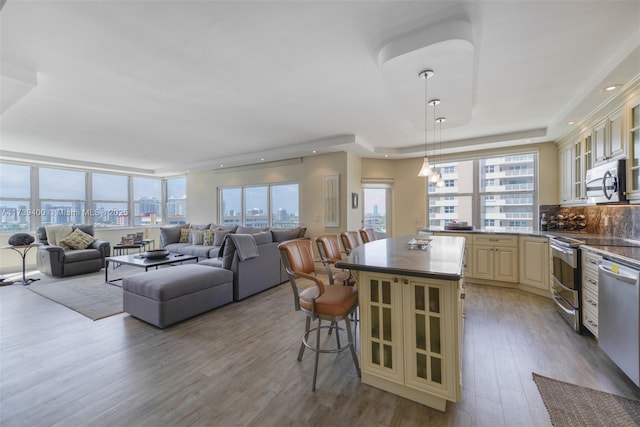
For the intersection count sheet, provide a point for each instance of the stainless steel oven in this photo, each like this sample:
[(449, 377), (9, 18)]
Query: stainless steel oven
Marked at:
[(566, 278)]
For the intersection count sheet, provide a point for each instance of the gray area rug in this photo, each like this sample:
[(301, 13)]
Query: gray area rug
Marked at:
[(87, 294), (573, 405)]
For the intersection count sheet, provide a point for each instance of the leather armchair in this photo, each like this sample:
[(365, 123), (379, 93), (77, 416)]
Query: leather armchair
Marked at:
[(55, 261)]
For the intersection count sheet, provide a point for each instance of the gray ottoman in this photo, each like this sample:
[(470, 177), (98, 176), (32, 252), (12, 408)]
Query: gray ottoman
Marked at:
[(168, 295)]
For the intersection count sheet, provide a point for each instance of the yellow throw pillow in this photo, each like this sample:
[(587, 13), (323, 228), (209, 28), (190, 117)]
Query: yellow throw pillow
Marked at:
[(184, 235), (208, 237), (78, 239)]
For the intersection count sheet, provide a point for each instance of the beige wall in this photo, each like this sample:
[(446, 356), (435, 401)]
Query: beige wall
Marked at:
[(408, 194)]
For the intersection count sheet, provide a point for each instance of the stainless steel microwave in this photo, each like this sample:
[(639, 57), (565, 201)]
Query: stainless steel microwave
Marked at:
[(606, 183)]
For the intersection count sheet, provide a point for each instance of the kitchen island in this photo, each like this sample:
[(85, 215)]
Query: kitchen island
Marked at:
[(411, 316)]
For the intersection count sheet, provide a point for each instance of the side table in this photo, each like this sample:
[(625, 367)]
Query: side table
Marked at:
[(22, 250)]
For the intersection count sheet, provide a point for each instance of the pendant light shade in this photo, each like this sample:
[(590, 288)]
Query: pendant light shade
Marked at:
[(426, 170)]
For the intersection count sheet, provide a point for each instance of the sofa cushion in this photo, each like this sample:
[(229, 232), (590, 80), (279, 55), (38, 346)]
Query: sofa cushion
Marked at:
[(263, 237), (212, 262), (176, 247), (195, 250), (170, 234), (184, 235), (174, 282), (285, 234), (219, 235), (250, 230), (78, 239), (81, 255), (199, 226)]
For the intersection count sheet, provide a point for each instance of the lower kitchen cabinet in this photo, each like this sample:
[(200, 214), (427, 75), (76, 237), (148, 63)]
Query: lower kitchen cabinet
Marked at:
[(495, 257), (411, 336), (534, 262)]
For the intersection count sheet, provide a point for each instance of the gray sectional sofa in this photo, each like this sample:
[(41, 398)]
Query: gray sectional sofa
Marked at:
[(250, 253)]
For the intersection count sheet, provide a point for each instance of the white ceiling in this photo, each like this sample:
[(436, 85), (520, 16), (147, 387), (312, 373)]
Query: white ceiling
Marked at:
[(166, 86)]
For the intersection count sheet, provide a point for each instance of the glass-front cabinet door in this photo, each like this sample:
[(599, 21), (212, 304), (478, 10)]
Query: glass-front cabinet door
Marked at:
[(381, 311), (428, 335)]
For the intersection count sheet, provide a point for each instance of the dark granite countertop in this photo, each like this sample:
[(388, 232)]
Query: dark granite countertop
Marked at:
[(443, 259)]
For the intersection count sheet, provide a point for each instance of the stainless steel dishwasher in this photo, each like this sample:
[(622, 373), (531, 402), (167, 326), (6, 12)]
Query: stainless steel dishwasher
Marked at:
[(619, 316)]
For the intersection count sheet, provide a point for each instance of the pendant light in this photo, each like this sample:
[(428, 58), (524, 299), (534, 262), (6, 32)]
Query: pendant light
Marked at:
[(434, 173), (440, 181), (426, 170)]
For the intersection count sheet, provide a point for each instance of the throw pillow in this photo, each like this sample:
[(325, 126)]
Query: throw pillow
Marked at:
[(184, 235), (219, 236), (207, 239), (196, 237), (263, 237), (285, 234), (199, 226), (78, 239), (169, 235)]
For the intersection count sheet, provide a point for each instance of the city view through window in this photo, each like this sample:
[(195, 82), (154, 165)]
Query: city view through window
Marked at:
[(275, 206), (37, 196), (496, 194)]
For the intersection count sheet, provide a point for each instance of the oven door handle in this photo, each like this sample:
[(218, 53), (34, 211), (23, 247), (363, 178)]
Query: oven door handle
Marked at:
[(563, 250), (559, 283), (561, 303)]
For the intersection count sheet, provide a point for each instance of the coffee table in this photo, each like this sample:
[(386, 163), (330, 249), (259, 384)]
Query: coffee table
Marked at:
[(138, 260)]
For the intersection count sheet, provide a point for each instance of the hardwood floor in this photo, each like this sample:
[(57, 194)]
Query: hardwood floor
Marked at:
[(237, 366)]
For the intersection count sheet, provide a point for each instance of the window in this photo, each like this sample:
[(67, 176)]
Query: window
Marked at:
[(62, 196), (176, 206), (147, 201), (285, 206), (15, 198), (110, 199), (256, 206), (448, 170), (33, 196), (497, 192), (275, 205)]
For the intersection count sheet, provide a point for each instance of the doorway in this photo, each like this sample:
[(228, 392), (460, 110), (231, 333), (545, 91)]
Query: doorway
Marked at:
[(376, 210)]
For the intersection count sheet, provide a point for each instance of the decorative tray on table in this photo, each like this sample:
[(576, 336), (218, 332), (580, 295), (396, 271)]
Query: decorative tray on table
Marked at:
[(422, 243)]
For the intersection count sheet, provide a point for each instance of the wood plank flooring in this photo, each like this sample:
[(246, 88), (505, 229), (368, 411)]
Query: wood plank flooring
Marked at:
[(237, 366)]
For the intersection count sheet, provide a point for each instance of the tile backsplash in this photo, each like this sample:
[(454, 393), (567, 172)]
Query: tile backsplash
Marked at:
[(606, 220)]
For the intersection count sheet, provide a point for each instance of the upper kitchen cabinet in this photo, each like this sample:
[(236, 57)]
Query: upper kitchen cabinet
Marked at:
[(608, 137), (633, 182), (575, 158)]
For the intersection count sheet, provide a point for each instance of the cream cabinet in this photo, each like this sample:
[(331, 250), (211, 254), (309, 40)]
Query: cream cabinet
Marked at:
[(495, 257), (608, 137), (590, 263), (411, 336), (534, 262)]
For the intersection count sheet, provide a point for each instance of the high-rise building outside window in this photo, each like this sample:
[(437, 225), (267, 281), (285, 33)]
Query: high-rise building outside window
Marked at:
[(176, 206), (147, 201), (15, 198), (62, 196), (501, 188)]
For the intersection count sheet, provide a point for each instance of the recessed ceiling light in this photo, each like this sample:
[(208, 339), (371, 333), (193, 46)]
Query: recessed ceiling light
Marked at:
[(611, 87), (262, 159), (386, 155), (314, 151), (221, 165), (571, 122)]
